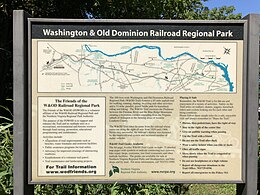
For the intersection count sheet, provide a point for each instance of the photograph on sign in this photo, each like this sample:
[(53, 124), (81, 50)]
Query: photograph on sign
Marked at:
[(136, 102)]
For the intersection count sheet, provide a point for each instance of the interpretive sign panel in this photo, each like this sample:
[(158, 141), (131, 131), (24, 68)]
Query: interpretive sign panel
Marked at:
[(137, 101)]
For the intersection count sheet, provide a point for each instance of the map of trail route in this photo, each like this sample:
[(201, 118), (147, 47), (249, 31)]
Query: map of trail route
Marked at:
[(136, 66)]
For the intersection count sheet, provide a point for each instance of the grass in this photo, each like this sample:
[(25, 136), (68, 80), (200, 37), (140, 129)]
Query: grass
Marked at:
[(6, 151), (212, 189), (138, 189)]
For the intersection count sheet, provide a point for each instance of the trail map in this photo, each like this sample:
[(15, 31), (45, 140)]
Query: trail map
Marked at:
[(149, 66)]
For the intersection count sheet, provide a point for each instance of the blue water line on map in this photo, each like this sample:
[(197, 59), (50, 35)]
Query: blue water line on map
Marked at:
[(223, 67)]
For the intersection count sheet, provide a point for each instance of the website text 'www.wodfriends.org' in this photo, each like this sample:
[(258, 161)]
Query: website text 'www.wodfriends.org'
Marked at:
[(73, 172)]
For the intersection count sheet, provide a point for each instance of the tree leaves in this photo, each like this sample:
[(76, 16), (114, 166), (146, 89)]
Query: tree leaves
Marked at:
[(127, 9), (156, 9)]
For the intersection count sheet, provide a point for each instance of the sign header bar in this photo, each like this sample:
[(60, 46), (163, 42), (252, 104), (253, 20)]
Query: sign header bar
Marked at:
[(233, 31)]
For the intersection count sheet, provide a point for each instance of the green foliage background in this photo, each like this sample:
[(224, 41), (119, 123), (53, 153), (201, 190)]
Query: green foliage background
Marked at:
[(107, 9)]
